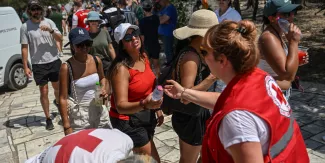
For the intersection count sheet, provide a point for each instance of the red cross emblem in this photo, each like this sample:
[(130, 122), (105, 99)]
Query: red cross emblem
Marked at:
[(279, 94), (81, 139)]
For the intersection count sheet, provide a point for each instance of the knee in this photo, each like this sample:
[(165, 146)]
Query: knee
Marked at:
[(44, 92)]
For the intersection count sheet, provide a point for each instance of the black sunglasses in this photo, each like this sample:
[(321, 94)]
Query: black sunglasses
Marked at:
[(93, 20), (203, 51), (128, 37), (36, 9), (83, 44)]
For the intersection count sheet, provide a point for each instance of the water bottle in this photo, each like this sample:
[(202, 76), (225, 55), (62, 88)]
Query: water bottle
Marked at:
[(157, 93), (284, 25), (98, 99)]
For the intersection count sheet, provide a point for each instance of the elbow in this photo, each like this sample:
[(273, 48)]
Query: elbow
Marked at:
[(120, 109)]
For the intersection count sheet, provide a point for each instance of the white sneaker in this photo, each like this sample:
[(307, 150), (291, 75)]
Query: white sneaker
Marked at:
[(60, 54)]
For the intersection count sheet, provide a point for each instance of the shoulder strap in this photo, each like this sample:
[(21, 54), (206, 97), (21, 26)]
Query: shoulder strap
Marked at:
[(72, 90), (96, 61), (182, 53)]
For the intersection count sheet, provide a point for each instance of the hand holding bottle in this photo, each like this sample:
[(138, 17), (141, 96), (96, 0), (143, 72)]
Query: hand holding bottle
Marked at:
[(291, 31)]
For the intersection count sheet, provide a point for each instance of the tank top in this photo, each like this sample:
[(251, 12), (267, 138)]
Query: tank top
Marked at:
[(141, 84)]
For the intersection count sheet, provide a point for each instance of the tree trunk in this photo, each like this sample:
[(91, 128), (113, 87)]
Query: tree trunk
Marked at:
[(237, 6), (255, 9)]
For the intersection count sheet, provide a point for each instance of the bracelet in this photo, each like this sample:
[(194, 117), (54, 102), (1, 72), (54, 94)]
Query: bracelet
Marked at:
[(65, 129), (142, 105), (182, 94)]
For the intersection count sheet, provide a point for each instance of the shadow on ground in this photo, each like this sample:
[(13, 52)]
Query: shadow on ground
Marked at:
[(28, 121)]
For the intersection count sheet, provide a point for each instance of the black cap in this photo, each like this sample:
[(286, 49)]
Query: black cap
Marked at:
[(147, 4), (34, 3), (78, 35)]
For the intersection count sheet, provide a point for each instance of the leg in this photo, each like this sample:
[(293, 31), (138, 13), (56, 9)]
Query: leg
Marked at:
[(149, 149), (64, 26), (168, 42), (189, 153), (45, 100), (55, 86)]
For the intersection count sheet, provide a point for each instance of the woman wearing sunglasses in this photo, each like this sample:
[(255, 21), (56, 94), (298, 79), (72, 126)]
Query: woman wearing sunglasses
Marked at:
[(190, 70), (279, 59), (252, 121), (85, 71), (102, 44), (226, 12), (132, 108)]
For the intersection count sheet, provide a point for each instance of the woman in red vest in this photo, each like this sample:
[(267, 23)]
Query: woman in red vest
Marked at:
[(252, 121)]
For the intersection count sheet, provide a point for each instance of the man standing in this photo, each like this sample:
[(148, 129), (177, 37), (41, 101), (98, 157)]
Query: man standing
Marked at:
[(168, 21), (39, 36), (80, 15), (57, 18)]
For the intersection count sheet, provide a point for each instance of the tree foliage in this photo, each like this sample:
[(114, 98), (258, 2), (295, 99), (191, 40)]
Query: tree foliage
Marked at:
[(20, 4)]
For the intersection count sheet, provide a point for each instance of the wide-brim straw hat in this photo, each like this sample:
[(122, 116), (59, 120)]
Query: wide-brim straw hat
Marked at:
[(198, 25)]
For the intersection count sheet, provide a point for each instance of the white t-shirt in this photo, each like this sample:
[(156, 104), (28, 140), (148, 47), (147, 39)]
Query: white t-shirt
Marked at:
[(91, 146), (243, 126), (230, 14)]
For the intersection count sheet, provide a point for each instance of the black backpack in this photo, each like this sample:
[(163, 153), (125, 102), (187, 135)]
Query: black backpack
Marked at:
[(114, 19)]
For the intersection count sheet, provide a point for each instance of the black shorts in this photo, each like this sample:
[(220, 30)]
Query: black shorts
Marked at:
[(43, 73), (189, 128), (140, 134)]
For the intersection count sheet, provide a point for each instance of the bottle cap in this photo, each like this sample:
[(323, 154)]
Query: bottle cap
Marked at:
[(160, 88), (97, 83)]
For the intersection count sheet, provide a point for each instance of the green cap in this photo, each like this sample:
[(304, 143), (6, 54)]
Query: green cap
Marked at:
[(97, 83), (282, 6)]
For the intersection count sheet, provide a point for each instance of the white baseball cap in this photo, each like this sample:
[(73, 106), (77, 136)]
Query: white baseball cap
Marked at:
[(120, 31)]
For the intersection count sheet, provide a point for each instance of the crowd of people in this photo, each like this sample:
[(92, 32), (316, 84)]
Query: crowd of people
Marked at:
[(227, 89)]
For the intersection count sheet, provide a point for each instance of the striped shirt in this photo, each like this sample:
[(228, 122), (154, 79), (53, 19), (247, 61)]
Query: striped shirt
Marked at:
[(130, 16)]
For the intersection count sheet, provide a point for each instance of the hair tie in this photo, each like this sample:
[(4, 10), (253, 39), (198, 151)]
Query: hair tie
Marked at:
[(241, 30)]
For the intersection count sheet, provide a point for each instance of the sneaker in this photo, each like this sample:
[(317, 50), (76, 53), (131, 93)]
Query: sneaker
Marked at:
[(61, 54), (65, 33), (49, 124)]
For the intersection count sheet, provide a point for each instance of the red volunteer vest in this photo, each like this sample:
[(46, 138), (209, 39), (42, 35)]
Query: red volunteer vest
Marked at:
[(258, 93), (82, 16)]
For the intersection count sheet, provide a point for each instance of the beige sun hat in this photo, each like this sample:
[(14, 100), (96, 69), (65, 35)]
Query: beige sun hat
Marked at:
[(199, 23)]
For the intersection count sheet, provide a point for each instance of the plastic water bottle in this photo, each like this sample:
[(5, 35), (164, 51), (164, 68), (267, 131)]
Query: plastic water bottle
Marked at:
[(98, 99), (157, 93), (284, 25)]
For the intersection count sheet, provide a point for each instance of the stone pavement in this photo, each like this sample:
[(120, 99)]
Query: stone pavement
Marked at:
[(23, 134)]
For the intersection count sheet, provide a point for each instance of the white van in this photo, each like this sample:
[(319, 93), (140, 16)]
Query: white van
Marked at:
[(11, 68)]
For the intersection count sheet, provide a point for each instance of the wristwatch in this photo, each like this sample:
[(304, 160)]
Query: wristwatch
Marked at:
[(52, 31)]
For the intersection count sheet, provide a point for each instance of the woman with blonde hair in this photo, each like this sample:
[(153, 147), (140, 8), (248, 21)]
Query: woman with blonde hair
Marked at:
[(252, 122)]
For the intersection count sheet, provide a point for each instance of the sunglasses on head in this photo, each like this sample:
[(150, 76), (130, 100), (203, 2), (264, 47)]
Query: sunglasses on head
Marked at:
[(84, 44), (128, 37)]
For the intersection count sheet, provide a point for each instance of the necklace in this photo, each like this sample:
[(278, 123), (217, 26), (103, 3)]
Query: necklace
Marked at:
[(79, 61)]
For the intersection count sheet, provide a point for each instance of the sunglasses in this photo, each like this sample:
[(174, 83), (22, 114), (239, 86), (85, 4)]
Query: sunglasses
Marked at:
[(288, 14), (129, 37), (84, 44), (36, 9), (93, 20), (203, 51)]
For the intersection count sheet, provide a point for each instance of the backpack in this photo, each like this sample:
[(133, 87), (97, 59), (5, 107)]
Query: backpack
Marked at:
[(169, 72), (114, 19)]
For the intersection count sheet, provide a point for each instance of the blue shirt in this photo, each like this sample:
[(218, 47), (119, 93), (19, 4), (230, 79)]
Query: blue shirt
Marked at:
[(167, 29)]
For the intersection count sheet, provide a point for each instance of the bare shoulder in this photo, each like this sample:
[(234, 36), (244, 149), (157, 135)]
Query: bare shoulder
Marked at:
[(190, 56)]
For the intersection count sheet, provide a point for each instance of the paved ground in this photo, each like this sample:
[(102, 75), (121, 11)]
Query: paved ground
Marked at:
[(23, 134)]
